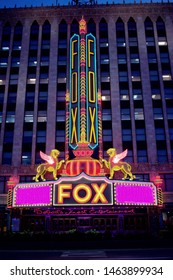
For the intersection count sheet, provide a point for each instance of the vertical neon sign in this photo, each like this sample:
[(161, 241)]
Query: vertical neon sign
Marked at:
[(74, 105), (83, 101), (91, 88)]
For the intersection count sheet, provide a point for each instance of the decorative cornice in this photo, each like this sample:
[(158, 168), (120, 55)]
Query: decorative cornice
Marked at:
[(95, 11)]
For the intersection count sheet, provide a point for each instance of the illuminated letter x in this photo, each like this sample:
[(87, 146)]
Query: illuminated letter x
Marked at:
[(92, 129), (99, 193), (74, 133)]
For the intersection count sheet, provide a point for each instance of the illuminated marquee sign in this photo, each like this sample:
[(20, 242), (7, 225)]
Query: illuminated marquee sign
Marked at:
[(74, 125), (135, 193), (83, 190), (91, 88), (33, 194), (83, 103)]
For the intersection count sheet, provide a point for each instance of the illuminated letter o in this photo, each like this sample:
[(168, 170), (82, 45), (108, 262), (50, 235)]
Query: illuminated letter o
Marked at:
[(84, 199)]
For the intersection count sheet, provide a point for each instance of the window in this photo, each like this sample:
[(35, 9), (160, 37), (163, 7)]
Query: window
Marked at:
[(169, 113), (123, 76), (26, 158), (103, 31), (158, 113), (171, 132), (91, 27), (139, 113), (125, 114), (142, 155), (134, 55), (154, 76), (140, 134), (7, 157), (160, 133), (161, 152), (10, 118), (152, 58), (133, 41), (60, 116), (8, 143), (42, 97), (164, 57), (60, 136), (121, 42), (6, 34), (41, 136), (160, 28), (29, 116), (3, 184), (167, 181), (44, 72), (8, 136), (142, 177), (122, 58), (168, 91), (74, 27), (137, 93), (107, 135), (27, 136), (126, 134), (150, 41), (25, 179), (106, 114)]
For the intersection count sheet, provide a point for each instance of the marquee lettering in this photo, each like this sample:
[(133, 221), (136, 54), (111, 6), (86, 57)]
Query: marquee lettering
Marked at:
[(74, 132), (90, 52), (76, 194), (91, 79), (68, 212), (73, 52), (74, 87), (99, 193), (82, 193), (92, 129), (61, 194)]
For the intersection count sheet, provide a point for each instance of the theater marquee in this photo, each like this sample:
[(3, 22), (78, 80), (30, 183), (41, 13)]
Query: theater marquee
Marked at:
[(84, 190)]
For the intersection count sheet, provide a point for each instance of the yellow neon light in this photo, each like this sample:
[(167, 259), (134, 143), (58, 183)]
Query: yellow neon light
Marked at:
[(92, 129), (90, 52), (99, 193), (74, 87), (91, 79), (74, 133), (62, 194), (73, 52), (84, 199)]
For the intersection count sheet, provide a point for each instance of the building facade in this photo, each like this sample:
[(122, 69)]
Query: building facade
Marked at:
[(134, 47)]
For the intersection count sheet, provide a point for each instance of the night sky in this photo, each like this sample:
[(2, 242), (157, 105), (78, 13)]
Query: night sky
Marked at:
[(28, 3)]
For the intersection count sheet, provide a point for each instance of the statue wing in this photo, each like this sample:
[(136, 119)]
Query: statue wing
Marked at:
[(47, 158), (120, 156)]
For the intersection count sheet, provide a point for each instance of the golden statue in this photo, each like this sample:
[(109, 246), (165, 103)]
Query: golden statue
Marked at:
[(51, 165), (114, 164)]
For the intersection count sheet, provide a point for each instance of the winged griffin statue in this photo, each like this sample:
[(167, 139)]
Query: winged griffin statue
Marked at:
[(115, 164), (52, 164)]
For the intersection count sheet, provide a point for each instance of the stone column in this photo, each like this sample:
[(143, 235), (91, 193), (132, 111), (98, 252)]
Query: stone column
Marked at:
[(6, 83), (52, 89), (147, 99), (114, 86), (20, 102)]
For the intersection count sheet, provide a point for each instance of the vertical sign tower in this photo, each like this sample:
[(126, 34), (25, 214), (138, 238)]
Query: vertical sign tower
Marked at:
[(83, 96)]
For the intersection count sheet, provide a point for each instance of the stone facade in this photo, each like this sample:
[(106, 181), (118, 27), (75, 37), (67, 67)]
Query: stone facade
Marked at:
[(139, 12)]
